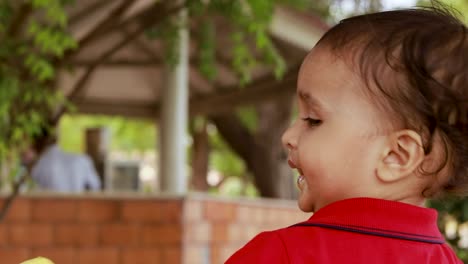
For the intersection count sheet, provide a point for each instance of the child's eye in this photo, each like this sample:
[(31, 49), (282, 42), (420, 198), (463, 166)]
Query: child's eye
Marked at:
[(311, 121)]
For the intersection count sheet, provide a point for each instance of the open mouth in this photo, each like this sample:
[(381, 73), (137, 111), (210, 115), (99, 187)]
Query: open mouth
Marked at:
[(300, 179), (293, 166)]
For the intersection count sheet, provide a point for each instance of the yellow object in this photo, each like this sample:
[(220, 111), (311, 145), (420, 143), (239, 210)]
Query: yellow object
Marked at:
[(38, 260)]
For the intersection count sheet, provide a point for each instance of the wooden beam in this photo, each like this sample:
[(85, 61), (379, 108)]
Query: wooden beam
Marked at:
[(85, 12), (144, 19), (262, 89), (119, 108), (77, 89), (149, 62), (118, 63), (106, 22), (228, 98)]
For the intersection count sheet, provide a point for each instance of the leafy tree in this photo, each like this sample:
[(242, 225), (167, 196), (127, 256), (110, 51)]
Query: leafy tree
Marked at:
[(30, 45)]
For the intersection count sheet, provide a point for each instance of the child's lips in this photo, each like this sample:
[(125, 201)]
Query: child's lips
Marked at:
[(293, 166), (301, 178)]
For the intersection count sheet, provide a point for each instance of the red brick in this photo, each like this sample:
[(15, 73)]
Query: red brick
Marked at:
[(3, 234), (172, 211), (142, 256), (50, 210), (216, 254), (98, 255), (76, 235), (13, 255), (57, 255), (219, 232), (172, 255), (98, 211), (119, 235), (152, 211), (218, 211), (162, 234), (30, 234), (19, 211)]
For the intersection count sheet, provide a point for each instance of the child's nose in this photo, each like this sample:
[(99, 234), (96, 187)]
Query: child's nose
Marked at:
[(289, 138)]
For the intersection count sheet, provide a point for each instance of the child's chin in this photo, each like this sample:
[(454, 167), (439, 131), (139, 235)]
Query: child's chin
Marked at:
[(305, 206)]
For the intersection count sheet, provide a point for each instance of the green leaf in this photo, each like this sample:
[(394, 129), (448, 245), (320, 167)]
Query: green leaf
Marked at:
[(207, 49), (248, 116)]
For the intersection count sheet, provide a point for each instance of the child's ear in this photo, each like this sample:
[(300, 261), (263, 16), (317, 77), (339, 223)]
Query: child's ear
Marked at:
[(401, 157)]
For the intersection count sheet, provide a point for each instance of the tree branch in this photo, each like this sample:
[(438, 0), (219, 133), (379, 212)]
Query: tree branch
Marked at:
[(12, 196), (19, 20), (236, 134)]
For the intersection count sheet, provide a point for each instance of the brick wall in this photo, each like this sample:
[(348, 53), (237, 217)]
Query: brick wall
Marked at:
[(215, 228), (189, 230)]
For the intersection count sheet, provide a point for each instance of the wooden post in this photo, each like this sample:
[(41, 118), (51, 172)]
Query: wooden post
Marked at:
[(97, 147)]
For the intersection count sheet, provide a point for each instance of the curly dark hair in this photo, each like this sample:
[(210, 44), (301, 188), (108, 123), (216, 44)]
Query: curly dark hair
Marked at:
[(418, 60)]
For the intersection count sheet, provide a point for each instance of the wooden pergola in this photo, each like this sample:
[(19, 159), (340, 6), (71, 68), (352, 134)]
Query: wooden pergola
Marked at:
[(119, 71)]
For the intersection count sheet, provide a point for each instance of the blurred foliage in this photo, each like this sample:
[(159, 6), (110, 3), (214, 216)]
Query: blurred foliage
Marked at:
[(450, 209), (250, 20), (29, 46), (222, 158), (248, 116), (459, 6), (234, 187)]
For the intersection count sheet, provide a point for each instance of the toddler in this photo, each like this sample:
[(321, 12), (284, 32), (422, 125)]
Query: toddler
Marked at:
[(381, 128)]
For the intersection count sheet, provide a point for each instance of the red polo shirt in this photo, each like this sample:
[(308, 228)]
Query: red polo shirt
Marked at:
[(358, 230)]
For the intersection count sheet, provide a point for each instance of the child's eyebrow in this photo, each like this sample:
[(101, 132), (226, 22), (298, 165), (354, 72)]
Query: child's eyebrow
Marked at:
[(308, 98)]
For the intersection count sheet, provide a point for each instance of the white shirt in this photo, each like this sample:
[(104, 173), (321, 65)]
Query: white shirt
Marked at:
[(65, 172)]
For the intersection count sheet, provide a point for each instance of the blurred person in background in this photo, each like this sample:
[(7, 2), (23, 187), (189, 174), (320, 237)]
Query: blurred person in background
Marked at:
[(52, 169)]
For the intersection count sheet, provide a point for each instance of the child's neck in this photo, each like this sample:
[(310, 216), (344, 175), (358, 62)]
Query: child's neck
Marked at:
[(413, 200)]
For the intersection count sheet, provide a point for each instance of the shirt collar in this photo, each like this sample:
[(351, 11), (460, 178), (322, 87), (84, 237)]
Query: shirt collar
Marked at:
[(381, 217)]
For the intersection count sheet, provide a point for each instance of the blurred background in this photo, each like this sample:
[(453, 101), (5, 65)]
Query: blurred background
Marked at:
[(162, 98)]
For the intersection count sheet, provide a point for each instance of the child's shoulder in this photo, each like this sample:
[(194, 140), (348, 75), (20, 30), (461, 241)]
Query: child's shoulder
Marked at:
[(266, 247)]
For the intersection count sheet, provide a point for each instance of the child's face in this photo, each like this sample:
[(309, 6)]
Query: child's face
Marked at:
[(335, 141)]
